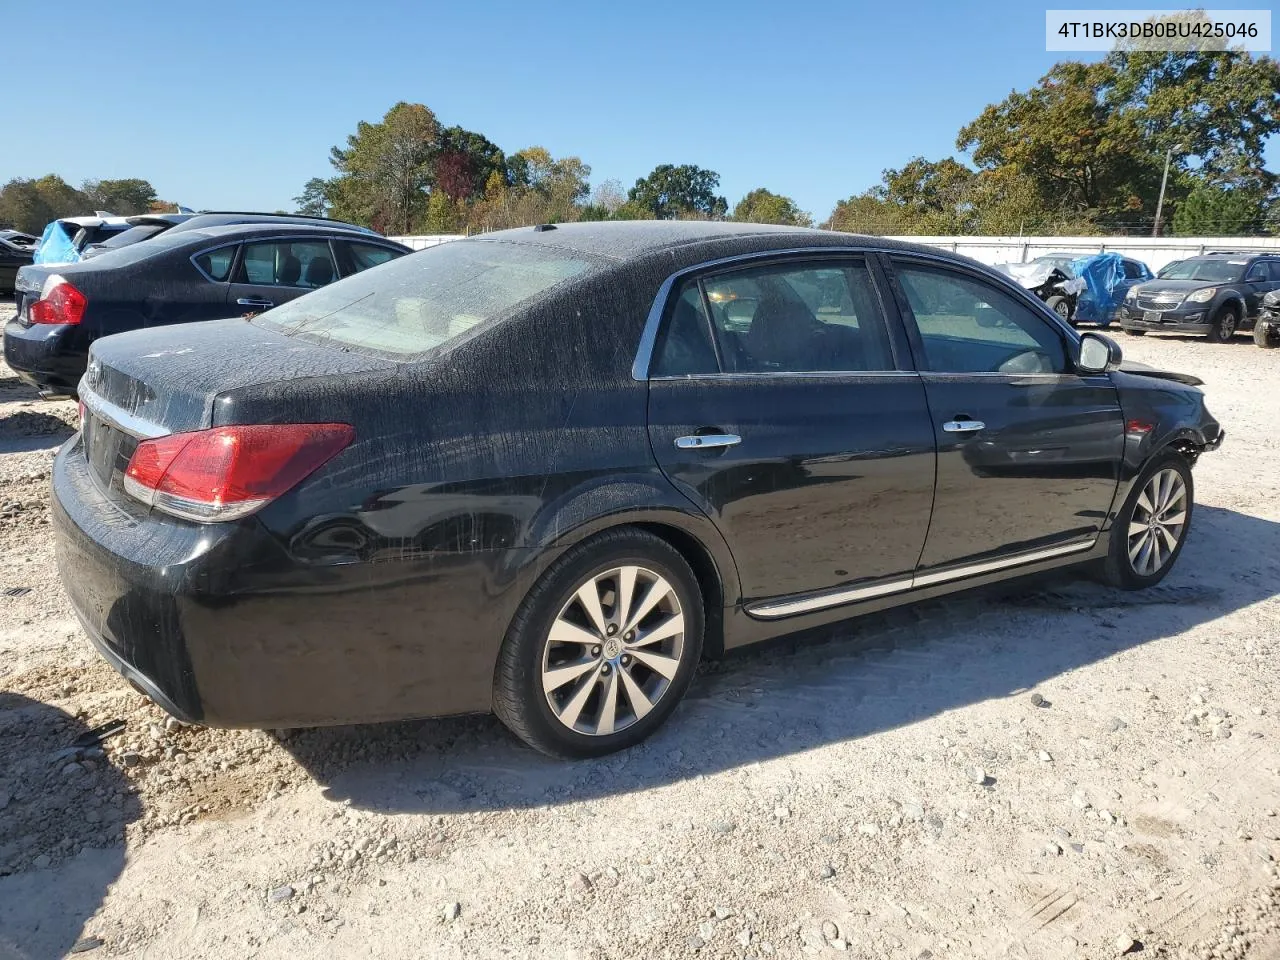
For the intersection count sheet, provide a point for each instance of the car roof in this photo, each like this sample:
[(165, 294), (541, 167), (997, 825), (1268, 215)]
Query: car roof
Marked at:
[(1230, 254), (234, 231), (623, 240)]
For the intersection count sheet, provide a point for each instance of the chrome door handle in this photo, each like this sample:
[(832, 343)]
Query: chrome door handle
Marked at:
[(251, 302), (703, 441), (963, 426)]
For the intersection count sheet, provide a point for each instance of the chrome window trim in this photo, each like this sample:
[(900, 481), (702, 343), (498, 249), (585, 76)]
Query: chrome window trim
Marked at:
[(788, 607), (652, 323), (782, 375), (116, 416), (200, 253)]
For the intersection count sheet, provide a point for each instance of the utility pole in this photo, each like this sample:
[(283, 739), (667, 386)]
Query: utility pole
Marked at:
[(1168, 157)]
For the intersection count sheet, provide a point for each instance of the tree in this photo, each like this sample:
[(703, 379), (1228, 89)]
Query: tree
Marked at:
[(31, 204), (764, 206), (1210, 211), (672, 192), (464, 162), (385, 171), (314, 199), (121, 197), (608, 195), (444, 214)]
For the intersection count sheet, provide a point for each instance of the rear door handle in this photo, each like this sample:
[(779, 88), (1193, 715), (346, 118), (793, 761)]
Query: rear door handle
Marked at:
[(963, 426), (251, 302), (703, 441)]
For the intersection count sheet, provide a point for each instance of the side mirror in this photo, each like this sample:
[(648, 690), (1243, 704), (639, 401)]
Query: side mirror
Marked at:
[(1098, 354)]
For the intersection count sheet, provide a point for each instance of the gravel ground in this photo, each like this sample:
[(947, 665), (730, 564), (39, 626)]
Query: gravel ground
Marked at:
[(1057, 771)]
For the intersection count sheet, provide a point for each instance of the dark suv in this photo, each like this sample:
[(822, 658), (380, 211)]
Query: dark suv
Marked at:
[(1216, 295)]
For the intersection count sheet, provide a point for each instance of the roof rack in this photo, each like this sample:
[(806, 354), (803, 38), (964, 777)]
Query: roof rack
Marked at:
[(1239, 253)]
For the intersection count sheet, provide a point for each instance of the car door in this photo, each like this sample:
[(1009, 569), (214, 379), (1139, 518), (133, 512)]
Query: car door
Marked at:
[(1029, 451), (1261, 278), (778, 405), (277, 270)]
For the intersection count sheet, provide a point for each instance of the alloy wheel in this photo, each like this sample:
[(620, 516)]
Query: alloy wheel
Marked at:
[(1158, 522), (613, 650)]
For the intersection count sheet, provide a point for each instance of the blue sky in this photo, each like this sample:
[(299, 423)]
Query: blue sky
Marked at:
[(234, 105)]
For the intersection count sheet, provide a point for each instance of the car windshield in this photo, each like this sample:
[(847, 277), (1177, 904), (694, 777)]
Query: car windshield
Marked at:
[(423, 301), (1213, 270), (1061, 263), (143, 231)]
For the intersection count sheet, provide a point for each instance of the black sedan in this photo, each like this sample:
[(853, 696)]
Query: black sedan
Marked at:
[(181, 276), (16, 251), (149, 225), (543, 472)]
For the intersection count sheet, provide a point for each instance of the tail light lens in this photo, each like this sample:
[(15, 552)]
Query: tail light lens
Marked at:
[(229, 472), (59, 302)]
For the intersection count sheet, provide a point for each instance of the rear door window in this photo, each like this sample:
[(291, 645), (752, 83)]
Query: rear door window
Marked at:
[(288, 263), (216, 264), (798, 318)]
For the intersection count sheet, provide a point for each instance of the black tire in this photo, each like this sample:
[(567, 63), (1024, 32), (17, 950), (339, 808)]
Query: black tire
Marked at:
[(1061, 306), (1134, 333), (1225, 324), (519, 699), (1265, 335), (1117, 569)]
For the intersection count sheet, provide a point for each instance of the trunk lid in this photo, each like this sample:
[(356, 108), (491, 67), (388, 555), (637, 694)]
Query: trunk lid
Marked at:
[(165, 380)]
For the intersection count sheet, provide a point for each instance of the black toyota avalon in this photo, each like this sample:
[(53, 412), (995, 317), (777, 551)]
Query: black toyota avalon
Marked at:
[(544, 472)]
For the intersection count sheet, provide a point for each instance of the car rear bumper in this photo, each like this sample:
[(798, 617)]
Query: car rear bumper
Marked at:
[(221, 626), (45, 355)]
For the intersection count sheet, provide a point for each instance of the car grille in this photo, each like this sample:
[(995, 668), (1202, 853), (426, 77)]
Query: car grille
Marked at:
[(1159, 301)]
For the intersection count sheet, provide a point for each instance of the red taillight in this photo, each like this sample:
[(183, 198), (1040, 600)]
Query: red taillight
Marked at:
[(59, 302), (229, 472), (1138, 428)]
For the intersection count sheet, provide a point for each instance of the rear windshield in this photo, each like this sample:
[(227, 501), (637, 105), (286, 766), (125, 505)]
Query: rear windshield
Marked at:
[(141, 232), (1217, 270), (422, 301), (141, 251)]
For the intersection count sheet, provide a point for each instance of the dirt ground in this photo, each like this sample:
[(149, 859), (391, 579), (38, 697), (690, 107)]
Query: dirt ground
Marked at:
[(1059, 771)]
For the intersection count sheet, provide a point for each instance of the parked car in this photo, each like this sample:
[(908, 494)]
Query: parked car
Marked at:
[(1266, 332), (1214, 295), (64, 240), (1099, 284), (178, 277), (1046, 276), (150, 225), (544, 471), (16, 250)]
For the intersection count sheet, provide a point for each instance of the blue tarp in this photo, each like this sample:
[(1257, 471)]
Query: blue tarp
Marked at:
[(1100, 284), (55, 245)]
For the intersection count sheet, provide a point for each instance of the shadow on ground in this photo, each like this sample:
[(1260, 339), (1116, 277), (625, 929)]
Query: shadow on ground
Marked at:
[(61, 829), (28, 430), (877, 673)]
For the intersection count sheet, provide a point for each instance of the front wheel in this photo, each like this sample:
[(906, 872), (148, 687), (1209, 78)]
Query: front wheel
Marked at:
[(1061, 306), (1148, 534), (1265, 334), (1225, 324), (603, 647)]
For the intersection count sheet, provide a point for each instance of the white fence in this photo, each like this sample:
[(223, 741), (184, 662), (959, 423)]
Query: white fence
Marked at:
[(1154, 251), (422, 241)]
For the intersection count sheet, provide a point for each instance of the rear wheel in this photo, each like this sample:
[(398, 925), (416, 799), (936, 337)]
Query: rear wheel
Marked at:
[(1225, 324), (603, 647), (1265, 335), (1148, 534)]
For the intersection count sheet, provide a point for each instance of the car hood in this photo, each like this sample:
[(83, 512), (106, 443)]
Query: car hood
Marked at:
[(1142, 370), (1177, 286)]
